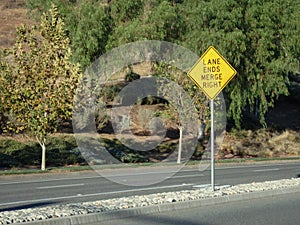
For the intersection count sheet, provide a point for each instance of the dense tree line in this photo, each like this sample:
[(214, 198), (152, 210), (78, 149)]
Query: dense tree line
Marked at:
[(259, 37)]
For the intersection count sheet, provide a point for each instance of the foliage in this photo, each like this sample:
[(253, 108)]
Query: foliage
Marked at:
[(179, 77), (88, 24), (17, 154), (153, 20), (101, 115), (122, 11), (259, 38), (119, 151), (131, 76), (61, 151), (90, 30), (143, 119), (5, 71), (45, 78), (38, 7), (251, 35)]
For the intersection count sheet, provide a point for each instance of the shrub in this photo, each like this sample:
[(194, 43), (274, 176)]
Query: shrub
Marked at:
[(108, 93), (18, 154), (60, 151), (63, 151), (131, 76)]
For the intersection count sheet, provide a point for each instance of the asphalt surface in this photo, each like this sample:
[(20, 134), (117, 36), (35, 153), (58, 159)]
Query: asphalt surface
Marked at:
[(273, 210), (27, 191)]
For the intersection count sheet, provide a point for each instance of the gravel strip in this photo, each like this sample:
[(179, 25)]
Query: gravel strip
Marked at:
[(56, 211)]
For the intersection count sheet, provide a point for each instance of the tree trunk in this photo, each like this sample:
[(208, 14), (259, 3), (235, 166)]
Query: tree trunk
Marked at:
[(180, 145), (43, 145), (43, 165)]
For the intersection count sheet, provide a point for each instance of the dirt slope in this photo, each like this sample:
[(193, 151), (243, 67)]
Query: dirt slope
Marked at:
[(13, 14)]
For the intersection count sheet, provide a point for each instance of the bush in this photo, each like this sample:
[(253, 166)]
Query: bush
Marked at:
[(123, 153), (7, 161), (18, 154), (63, 151), (198, 152), (60, 151), (108, 93), (131, 76)]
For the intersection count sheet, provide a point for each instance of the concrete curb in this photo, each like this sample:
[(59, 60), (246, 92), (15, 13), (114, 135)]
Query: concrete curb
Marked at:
[(96, 218)]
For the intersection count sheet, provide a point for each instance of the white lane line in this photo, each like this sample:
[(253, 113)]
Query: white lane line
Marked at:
[(184, 176), (98, 176), (93, 194), (88, 177), (284, 165), (49, 180), (60, 186), (265, 170)]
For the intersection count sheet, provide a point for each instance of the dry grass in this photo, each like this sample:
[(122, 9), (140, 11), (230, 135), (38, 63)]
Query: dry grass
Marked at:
[(260, 143)]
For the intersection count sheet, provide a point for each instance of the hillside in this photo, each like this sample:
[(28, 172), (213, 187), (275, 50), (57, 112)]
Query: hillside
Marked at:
[(13, 14)]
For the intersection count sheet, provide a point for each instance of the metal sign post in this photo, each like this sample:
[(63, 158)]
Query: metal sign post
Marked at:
[(212, 145), (211, 74)]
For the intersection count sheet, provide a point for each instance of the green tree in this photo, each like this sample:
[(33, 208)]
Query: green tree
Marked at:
[(95, 26), (89, 31), (153, 20), (179, 109), (88, 24), (42, 79), (36, 8), (123, 11), (251, 35)]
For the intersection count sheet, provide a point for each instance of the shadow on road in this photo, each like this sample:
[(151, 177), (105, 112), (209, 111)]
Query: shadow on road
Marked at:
[(164, 220), (152, 219), (27, 206)]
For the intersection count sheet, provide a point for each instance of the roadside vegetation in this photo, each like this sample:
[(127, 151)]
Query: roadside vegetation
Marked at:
[(41, 69)]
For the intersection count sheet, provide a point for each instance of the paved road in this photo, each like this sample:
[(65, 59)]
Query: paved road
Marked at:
[(35, 190), (276, 210)]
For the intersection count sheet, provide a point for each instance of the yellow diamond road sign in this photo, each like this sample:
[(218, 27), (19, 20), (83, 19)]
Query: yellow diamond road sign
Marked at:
[(211, 72)]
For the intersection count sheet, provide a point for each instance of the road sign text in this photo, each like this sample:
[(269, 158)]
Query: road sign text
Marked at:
[(212, 72), (211, 75)]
